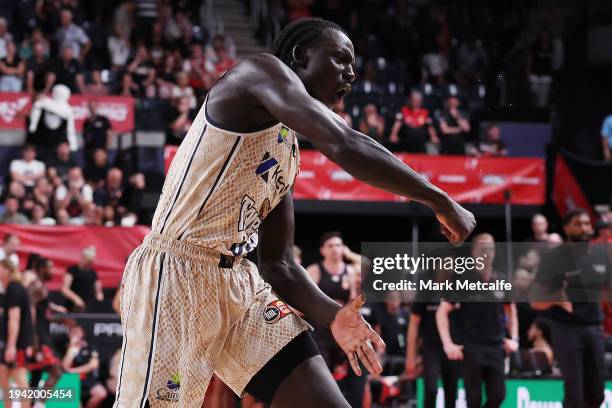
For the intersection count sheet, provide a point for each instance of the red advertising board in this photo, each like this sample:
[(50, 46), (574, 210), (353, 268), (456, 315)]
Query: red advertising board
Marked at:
[(15, 107), (63, 245), (466, 179)]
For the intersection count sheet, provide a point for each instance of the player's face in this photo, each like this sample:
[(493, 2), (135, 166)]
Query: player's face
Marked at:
[(327, 70)]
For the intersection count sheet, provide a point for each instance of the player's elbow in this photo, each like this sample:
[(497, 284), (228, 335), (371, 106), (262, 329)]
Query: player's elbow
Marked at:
[(277, 273)]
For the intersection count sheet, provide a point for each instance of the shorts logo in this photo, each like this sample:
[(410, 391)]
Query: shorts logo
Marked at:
[(275, 311), (171, 391)]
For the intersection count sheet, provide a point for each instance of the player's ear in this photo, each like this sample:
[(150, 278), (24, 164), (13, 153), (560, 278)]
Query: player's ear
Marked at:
[(300, 56)]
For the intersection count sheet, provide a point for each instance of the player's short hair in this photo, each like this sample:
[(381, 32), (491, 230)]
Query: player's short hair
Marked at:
[(304, 33), (571, 214), (327, 236)]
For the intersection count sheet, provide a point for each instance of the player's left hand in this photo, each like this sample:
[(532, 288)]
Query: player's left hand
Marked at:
[(510, 345), (355, 337)]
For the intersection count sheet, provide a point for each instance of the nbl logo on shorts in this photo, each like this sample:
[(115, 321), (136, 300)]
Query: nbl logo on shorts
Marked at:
[(275, 311)]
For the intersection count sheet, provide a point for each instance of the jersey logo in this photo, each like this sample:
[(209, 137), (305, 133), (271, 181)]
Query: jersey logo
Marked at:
[(267, 162), (282, 135)]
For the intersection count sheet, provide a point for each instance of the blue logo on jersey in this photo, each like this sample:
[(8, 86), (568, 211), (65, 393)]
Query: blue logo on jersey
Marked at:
[(267, 162)]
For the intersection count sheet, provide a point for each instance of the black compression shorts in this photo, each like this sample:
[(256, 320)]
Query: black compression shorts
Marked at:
[(264, 384)]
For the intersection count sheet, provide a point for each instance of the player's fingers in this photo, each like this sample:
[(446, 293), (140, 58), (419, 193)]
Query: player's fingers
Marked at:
[(354, 363), (364, 359), (375, 338), (374, 366)]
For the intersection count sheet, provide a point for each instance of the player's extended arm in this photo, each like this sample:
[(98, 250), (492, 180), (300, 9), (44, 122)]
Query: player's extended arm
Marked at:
[(283, 94), (293, 284)]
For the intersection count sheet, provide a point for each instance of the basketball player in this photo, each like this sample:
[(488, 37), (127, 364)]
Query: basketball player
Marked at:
[(191, 303)]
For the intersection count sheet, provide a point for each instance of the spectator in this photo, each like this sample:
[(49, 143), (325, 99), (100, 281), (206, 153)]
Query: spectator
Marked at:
[(180, 123), (62, 161), (538, 334), (471, 62), (73, 36), (17, 190), (200, 70), (62, 217), (145, 13), (5, 37), (492, 144), (433, 31), (11, 213), (18, 333), (27, 46), (606, 138), (454, 128), (97, 170), (142, 72), (224, 61), (121, 205), (27, 170), (338, 108), (81, 285), (40, 217), (41, 193), (603, 232), (372, 124), (12, 69), (9, 249), (96, 130), (540, 69), (118, 48), (83, 359), (183, 90), (413, 126), (74, 196), (392, 324), (539, 227), (52, 123), (36, 69), (129, 87), (96, 87), (521, 285), (67, 71)]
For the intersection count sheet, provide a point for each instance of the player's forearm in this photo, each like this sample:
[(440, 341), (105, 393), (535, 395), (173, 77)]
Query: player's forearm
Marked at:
[(443, 327), (292, 283), (368, 161)]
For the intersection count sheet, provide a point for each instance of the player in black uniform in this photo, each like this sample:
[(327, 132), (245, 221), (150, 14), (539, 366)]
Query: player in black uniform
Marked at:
[(574, 276), (17, 332), (435, 362), (44, 358), (480, 341)]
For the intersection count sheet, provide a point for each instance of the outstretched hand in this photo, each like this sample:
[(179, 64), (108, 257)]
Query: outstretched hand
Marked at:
[(456, 222), (355, 337)]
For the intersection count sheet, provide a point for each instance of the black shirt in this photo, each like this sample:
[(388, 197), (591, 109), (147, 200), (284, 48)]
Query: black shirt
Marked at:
[(62, 166), (585, 271), (481, 319), (95, 174), (39, 71), (66, 73), (86, 353), (428, 329), (94, 132), (393, 329), (17, 296), (84, 283)]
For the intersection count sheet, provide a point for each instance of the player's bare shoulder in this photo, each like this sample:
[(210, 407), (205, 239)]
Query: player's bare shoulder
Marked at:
[(263, 68)]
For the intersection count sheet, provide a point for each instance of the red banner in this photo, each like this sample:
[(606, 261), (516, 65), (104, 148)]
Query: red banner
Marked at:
[(63, 246), (14, 107), (567, 193), (466, 179)]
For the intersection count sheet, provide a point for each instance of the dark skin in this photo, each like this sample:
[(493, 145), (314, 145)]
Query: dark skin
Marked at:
[(262, 90)]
